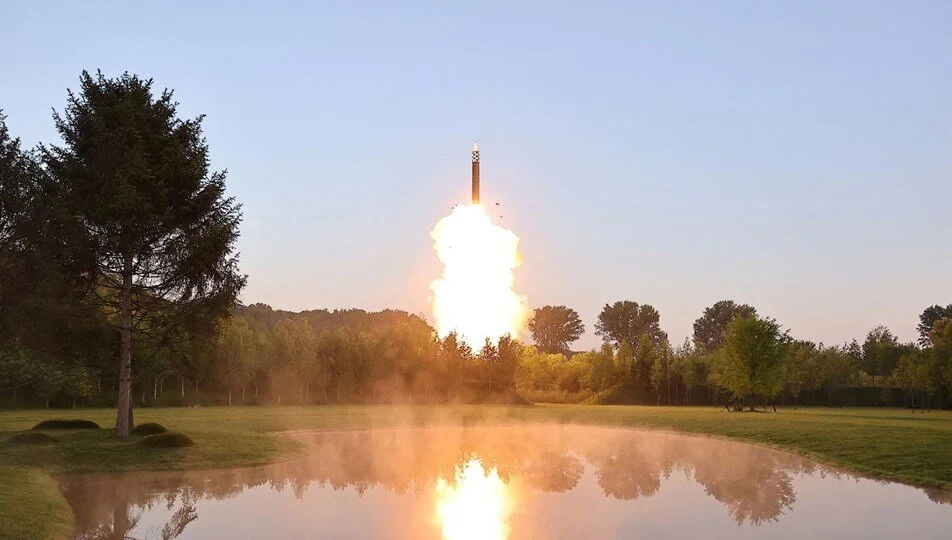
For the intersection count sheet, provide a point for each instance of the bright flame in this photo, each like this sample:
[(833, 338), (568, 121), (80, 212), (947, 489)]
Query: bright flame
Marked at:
[(475, 296), (477, 507)]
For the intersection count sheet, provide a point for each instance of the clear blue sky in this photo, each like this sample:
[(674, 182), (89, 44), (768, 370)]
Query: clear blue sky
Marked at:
[(792, 155)]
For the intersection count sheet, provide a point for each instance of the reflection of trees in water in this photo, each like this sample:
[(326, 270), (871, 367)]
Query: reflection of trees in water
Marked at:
[(186, 514), (553, 472), (627, 470), (112, 509), (939, 496), (754, 484)]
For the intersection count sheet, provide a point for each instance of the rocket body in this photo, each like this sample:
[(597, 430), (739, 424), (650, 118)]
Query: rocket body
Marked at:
[(475, 173)]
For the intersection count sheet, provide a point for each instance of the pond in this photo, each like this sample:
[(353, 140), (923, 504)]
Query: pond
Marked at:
[(517, 482)]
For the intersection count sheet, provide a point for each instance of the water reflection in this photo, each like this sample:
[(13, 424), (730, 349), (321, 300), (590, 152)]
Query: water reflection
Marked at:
[(473, 505), (459, 483)]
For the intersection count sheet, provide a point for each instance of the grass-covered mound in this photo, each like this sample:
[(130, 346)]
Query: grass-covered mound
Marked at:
[(32, 437), (66, 424), (149, 428), (171, 439)]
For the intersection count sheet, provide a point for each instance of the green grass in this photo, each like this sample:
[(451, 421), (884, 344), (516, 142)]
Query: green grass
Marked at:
[(884, 443), (32, 437), (31, 505)]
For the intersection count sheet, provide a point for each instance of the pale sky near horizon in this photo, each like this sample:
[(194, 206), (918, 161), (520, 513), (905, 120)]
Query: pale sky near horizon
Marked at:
[(795, 156)]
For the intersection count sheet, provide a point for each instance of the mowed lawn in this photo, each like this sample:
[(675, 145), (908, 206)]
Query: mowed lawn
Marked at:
[(885, 443)]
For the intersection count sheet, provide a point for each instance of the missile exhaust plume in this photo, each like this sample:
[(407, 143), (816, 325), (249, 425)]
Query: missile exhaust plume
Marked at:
[(475, 296)]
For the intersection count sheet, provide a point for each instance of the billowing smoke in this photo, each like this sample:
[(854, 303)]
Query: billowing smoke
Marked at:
[(475, 297)]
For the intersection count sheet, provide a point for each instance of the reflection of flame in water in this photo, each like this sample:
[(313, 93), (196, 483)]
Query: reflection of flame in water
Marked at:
[(476, 507), (475, 296)]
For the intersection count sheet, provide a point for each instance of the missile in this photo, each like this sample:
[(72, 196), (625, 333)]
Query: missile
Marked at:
[(475, 173)]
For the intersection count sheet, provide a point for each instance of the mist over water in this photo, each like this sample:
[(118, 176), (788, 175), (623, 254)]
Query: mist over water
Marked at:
[(515, 482)]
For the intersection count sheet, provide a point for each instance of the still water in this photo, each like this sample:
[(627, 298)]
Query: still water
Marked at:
[(527, 482)]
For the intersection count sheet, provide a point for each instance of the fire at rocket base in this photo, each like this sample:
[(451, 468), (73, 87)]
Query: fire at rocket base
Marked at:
[(475, 297), (475, 173)]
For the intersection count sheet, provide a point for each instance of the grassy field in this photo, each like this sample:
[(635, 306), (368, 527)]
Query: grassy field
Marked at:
[(884, 443)]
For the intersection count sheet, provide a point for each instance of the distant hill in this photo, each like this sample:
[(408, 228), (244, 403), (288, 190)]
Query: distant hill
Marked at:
[(322, 319)]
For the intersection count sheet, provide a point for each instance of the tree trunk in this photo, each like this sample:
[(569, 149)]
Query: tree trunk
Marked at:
[(183, 388), (155, 389), (124, 402), (256, 389), (229, 397), (242, 395), (14, 394), (120, 520)]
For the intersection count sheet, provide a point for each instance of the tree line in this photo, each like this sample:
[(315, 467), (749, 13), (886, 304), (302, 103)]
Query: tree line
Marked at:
[(735, 357)]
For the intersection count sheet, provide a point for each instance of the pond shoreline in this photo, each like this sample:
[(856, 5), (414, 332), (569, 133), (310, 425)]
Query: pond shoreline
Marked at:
[(884, 444)]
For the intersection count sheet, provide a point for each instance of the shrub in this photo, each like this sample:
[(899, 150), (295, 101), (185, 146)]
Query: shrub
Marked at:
[(149, 428), (66, 424), (171, 439), (31, 437)]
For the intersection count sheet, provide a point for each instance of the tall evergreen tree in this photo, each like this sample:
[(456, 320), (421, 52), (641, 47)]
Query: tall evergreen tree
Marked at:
[(156, 220), (42, 271)]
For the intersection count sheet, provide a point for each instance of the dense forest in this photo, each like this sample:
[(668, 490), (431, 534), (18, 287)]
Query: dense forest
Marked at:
[(119, 286), (264, 356)]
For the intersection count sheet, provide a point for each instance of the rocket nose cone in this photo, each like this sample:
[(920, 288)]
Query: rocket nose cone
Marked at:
[(475, 147)]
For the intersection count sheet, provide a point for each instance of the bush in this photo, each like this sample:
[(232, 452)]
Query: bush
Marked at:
[(171, 439), (32, 437), (66, 424), (149, 428)]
